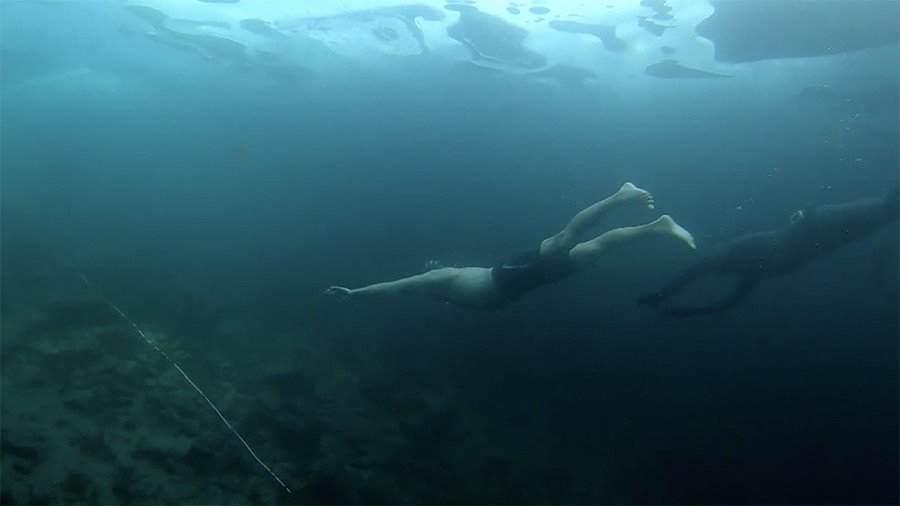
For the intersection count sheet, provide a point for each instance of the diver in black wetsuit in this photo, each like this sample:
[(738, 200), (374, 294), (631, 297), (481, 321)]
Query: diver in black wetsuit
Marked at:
[(758, 256)]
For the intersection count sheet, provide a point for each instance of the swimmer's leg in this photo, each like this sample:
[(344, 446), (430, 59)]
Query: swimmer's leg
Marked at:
[(568, 237), (589, 251)]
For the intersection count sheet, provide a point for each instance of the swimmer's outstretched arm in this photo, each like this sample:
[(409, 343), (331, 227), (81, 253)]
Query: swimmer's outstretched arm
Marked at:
[(412, 284), (463, 285)]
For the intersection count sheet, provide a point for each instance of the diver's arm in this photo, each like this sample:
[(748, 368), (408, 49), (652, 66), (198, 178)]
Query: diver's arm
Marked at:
[(744, 287), (678, 283)]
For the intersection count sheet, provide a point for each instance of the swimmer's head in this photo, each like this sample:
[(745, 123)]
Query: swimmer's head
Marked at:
[(797, 216)]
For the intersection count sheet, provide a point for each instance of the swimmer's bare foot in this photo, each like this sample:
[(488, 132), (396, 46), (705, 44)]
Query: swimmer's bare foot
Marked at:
[(665, 224), (338, 292), (629, 191)]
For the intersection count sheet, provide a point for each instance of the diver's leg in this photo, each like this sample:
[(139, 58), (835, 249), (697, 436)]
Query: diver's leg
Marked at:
[(589, 251), (744, 287), (568, 237)]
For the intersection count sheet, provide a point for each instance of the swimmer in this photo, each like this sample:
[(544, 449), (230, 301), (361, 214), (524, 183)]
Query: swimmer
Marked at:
[(556, 258)]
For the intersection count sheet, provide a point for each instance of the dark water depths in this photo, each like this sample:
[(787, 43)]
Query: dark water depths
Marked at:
[(214, 212)]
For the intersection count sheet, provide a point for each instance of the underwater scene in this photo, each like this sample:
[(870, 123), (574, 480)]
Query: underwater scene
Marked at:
[(449, 252)]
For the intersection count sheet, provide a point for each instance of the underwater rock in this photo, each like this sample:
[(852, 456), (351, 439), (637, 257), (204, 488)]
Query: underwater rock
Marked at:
[(20, 451), (71, 316)]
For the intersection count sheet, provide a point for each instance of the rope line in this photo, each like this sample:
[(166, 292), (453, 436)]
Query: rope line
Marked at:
[(183, 374)]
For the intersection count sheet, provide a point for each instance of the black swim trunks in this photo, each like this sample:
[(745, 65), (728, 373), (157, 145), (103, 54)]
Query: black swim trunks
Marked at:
[(523, 272)]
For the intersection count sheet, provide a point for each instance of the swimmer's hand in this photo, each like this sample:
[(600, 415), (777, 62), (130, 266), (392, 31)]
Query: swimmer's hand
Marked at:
[(338, 292)]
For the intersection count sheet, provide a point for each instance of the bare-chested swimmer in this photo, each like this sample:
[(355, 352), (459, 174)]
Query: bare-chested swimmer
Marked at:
[(556, 258)]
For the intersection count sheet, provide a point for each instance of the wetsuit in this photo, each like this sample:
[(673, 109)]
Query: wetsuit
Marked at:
[(523, 272), (762, 255)]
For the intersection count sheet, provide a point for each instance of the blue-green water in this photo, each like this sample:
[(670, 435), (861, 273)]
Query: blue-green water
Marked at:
[(213, 200)]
